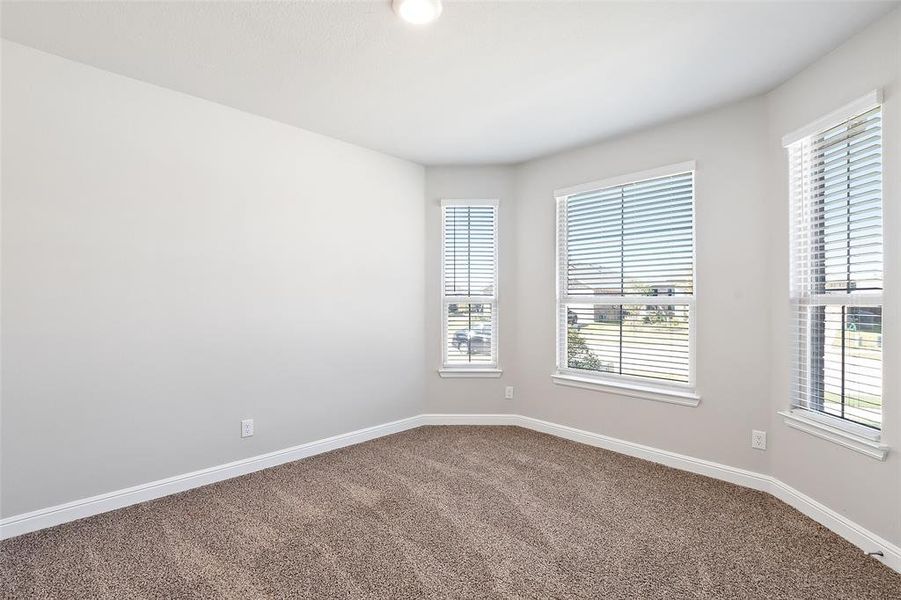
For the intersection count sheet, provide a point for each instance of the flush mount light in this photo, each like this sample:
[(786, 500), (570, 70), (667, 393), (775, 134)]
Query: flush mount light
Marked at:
[(417, 12)]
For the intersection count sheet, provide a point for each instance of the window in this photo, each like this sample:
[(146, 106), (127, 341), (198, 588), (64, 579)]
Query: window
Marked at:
[(836, 266), (469, 287), (626, 279)]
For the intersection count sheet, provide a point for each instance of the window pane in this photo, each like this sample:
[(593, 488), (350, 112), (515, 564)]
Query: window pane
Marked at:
[(635, 239), (846, 206), (469, 250), (639, 340), (470, 334), (842, 374)]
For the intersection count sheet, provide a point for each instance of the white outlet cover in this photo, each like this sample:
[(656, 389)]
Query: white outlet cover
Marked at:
[(758, 439), (246, 428), (508, 392)]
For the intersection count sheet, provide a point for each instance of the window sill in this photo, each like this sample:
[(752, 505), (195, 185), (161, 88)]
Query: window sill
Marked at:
[(865, 443), (470, 373), (659, 394)]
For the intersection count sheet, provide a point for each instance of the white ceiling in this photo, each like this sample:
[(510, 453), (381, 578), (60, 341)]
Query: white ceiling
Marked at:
[(489, 82)]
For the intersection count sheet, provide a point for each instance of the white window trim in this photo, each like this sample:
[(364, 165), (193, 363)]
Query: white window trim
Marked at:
[(852, 109), (844, 433), (454, 372), (481, 370), (577, 379), (848, 434), (685, 394)]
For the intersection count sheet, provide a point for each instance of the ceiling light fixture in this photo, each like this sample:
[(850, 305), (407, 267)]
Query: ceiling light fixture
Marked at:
[(417, 12)]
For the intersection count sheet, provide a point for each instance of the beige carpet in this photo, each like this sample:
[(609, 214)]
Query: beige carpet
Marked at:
[(450, 512)]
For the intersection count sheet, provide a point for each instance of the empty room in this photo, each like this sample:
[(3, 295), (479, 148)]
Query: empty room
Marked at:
[(440, 299)]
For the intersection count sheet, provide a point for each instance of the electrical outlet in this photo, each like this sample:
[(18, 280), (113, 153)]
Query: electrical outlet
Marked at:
[(758, 439), (246, 428), (508, 392)]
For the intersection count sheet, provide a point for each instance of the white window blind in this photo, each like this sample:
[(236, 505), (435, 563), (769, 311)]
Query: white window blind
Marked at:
[(836, 269), (469, 283), (626, 278)]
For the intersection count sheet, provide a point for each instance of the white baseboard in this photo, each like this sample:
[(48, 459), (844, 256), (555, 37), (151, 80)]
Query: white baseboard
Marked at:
[(470, 419), (79, 509), (740, 477), (851, 531)]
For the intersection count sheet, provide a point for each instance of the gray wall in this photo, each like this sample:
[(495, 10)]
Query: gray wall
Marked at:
[(732, 312), (865, 490), (171, 266), (453, 395)]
